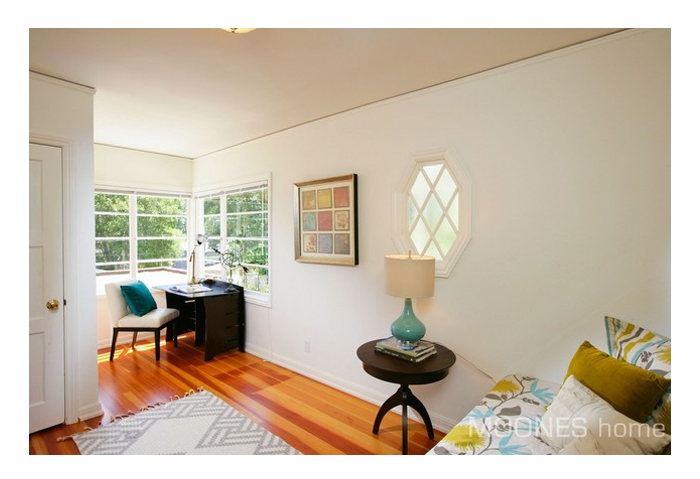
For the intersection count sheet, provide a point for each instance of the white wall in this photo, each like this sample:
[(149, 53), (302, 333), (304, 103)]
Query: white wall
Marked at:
[(60, 114), (140, 170), (569, 156)]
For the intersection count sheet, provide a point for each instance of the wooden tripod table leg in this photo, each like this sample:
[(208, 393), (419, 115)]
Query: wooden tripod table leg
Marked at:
[(404, 398)]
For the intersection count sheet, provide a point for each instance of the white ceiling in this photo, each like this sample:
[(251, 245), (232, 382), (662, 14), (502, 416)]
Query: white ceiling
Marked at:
[(190, 92)]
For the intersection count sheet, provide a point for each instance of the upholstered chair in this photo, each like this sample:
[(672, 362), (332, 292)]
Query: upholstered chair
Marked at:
[(146, 317)]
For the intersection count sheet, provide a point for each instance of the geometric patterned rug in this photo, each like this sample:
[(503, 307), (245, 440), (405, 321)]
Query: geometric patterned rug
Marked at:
[(199, 423)]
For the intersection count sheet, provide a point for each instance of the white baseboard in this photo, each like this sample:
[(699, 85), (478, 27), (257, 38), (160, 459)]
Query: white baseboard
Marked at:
[(440, 422), (90, 411)]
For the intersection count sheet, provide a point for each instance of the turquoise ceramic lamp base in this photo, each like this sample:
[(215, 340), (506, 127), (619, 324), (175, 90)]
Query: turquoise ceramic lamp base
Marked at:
[(407, 328)]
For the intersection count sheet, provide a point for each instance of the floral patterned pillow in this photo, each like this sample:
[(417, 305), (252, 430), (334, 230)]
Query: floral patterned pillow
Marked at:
[(505, 422), (647, 350)]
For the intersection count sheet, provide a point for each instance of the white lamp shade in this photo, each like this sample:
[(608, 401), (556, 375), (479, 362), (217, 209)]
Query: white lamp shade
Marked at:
[(409, 276)]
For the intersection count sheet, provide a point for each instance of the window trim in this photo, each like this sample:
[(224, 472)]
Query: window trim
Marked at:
[(228, 187), (401, 233)]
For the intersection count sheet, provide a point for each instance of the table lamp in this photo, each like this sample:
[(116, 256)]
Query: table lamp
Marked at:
[(198, 241), (409, 277)]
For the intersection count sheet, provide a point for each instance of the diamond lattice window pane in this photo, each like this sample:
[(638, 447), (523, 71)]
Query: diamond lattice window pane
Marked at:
[(454, 212), (432, 172), (420, 189), (445, 236), (420, 237), (433, 251), (446, 187), (412, 213), (433, 212), (426, 212)]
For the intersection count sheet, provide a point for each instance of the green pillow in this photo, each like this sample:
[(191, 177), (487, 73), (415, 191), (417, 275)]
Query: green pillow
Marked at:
[(138, 298), (629, 389)]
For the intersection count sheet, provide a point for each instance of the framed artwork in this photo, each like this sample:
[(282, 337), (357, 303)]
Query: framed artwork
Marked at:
[(325, 221)]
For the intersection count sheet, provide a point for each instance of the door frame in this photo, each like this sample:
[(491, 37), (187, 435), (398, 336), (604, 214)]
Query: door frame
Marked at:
[(61, 114), (70, 312)]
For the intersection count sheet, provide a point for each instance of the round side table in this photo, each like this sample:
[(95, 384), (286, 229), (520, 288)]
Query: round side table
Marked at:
[(405, 373)]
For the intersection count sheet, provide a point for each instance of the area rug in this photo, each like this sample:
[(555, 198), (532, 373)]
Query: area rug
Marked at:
[(199, 423)]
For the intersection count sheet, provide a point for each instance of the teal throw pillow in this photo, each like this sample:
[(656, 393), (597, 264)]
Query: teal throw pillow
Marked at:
[(138, 298)]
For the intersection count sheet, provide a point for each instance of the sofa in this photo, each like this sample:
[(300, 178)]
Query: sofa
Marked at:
[(614, 402)]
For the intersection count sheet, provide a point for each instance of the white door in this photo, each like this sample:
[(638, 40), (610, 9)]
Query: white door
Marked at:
[(46, 362)]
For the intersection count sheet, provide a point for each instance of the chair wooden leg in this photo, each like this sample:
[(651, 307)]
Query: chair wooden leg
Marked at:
[(115, 333), (157, 334), (133, 339), (173, 331)]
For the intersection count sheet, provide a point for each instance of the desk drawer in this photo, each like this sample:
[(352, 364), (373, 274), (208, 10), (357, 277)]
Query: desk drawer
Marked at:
[(224, 327), (223, 324)]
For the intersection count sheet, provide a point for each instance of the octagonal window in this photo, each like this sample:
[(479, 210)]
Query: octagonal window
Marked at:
[(433, 217)]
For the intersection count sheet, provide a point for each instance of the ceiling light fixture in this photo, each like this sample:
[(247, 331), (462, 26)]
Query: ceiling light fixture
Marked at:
[(238, 30)]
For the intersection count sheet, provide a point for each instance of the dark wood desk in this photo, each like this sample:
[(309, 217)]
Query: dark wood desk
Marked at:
[(217, 317), (399, 371)]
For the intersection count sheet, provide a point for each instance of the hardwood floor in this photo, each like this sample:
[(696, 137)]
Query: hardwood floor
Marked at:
[(310, 416)]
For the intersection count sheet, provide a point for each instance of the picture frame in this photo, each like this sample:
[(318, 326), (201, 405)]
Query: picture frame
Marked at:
[(325, 221)]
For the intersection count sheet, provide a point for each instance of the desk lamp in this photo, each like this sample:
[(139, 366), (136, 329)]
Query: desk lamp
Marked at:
[(198, 241), (409, 276)]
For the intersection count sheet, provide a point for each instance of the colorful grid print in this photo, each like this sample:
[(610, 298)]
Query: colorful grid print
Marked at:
[(325, 220)]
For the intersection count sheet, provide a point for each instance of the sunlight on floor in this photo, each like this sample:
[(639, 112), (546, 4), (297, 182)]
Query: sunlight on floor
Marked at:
[(126, 349)]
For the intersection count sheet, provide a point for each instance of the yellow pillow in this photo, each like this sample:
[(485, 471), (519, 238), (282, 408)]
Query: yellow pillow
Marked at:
[(629, 389)]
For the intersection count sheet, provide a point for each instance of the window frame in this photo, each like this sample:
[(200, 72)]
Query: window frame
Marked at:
[(220, 191), (133, 235), (402, 235)]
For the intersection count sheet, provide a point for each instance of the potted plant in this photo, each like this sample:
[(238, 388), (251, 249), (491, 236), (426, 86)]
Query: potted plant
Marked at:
[(231, 261)]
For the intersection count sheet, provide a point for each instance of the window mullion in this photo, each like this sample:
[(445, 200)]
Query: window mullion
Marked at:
[(133, 234), (223, 231), (455, 197)]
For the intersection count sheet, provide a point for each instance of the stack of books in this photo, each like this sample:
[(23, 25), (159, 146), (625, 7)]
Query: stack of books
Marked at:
[(393, 347)]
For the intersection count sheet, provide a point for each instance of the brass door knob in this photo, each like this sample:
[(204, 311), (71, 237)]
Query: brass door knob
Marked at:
[(52, 304)]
